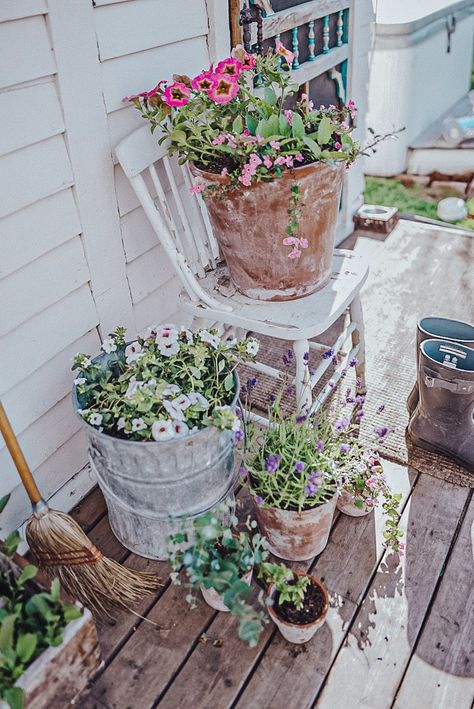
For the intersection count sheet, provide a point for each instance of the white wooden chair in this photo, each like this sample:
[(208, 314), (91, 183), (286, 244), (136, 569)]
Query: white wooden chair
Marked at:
[(182, 226)]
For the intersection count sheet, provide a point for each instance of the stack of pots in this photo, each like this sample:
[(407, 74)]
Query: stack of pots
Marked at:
[(151, 487)]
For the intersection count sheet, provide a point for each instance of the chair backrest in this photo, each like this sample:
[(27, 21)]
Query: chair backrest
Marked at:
[(178, 218)]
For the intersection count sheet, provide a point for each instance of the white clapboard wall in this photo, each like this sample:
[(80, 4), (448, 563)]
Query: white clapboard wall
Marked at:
[(77, 255)]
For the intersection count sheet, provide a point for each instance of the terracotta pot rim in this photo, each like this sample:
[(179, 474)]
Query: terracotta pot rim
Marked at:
[(315, 582), (299, 170), (303, 513)]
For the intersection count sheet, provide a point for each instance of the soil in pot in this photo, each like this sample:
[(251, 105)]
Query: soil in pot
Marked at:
[(313, 608)]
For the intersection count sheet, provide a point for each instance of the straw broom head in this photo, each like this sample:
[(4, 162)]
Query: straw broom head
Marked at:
[(62, 550)]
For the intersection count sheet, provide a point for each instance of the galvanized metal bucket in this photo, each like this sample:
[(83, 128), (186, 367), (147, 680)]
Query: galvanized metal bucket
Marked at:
[(151, 487)]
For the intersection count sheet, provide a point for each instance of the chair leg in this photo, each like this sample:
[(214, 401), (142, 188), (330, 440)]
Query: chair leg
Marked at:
[(304, 397), (358, 338)]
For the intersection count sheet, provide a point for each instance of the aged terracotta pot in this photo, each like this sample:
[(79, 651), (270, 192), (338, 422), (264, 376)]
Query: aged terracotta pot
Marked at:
[(296, 536), (294, 633), (215, 600), (249, 224), (345, 504)]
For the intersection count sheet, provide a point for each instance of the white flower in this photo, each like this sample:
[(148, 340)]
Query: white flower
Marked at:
[(109, 345), (138, 425), (133, 352), (231, 343), (174, 411), (149, 332), (95, 419), (82, 360), (133, 387), (168, 347), (166, 333), (79, 381), (189, 335), (182, 402), (211, 339), (196, 398), (162, 430), (252, 346), (236, 426), (171, 389), (120, 423), (180, 428)]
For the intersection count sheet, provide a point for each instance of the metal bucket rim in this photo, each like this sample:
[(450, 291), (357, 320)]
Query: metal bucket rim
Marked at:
[(108, 436)]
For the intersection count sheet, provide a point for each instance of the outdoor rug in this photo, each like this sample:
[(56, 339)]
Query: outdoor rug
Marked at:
[(417, 271)]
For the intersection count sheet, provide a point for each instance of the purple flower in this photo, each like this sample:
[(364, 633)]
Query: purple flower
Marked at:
[(272, 463), (300, 466), (329, 353), (259, 500), (353, 362), (306, 357), (315, 477), (381, 408), (271, 398), (244, 473), (251, 382), (381, 431), (320, 446), (239, 435), (310, 490), (358, 414), (345, 448), (341, 425), (289, 354), (301, 418), (360, 398), (358, 382), (335, 360)]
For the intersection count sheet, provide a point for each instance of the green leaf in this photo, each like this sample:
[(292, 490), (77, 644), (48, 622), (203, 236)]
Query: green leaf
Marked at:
[(14, 697), (11, 542), (324, 131), (297, 127), (313, 146), (29, 572), (4, 502), (251, 123), (237, 125), (26, 646), (284, 127), (55, 589), (269, 95), (178, 136), (229, 382), (71, 612), (6, 632)]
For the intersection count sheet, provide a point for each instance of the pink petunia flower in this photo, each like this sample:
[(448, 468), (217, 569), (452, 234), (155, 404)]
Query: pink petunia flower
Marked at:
[(294, 254), (280, 160), (275, 144), (218, 140), (337, 145), (197, 188), (282, 51), (229, 67), (177, 94), (290, 241), (289, 116), (299, 157), (247, 60), (304, 243), (203, 81), (267, 162)]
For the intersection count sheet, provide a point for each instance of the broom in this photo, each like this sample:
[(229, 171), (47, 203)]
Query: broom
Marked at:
[(62, 550)]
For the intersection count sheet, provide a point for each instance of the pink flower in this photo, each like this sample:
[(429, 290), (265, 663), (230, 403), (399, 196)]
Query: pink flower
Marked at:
[(304, 243), (219, 140), (254, 160), (245, 178), (290, 241), (229, 67), (224, 171), (267, 162), (299, 157), (352, 108), (275, 144), (260, 139), (289, 116), (247, 60), (203, 81), (280, 160), (224, 89), (294, 254), (283, 51), (177, 94), (197, 188), (337, 145), (289, 161)]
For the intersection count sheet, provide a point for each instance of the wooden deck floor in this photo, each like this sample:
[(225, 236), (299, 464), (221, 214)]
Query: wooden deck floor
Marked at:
[(399, 634)]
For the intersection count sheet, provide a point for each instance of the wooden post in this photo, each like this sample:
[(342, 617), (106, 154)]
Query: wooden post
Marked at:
[(235, 28)]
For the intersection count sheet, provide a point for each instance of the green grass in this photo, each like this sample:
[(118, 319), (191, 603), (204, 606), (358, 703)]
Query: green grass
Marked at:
[(411, 200)]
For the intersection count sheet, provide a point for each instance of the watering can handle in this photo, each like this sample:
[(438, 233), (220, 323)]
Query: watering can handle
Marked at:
[(18, 458)]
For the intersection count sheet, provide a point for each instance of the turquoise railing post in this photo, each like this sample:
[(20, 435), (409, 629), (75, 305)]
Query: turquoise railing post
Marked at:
[(345, 40), (326, 34), (295, 47), (339, 28), (311, 41)]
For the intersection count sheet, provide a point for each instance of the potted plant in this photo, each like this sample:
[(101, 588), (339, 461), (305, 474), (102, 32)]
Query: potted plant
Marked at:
[(219, 561), (270, 171), (293, 483), (297, 603), (160, 416), (48, 647)]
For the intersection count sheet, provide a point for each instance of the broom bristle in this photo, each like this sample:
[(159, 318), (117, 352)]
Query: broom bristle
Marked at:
[(63, 550)]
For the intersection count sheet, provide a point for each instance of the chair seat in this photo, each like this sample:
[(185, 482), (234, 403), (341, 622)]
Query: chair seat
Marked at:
[(302, 318)]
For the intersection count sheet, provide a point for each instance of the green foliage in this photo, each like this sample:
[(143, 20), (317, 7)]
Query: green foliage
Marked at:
[(162, 385), (291, 587), (215, 555), (29, 622)]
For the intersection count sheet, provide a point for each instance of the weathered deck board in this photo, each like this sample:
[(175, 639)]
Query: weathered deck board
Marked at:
[(441, 670), (384, 632)]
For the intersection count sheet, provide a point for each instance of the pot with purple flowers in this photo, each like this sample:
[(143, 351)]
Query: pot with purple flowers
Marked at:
[(294, 488)]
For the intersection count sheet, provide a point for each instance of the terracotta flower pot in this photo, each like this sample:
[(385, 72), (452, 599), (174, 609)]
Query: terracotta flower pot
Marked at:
[(296, 536), (250, 223), (345, 504), (215, 599), (293, 632)]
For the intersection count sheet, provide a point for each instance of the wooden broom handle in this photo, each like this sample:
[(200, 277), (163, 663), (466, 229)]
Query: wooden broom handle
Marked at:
[(18, 458)]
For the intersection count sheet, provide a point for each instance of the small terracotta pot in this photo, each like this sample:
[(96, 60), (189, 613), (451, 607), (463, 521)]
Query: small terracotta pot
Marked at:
[(345, 504), (215, 600), (296, 536), (294, 633), (249, 224)]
